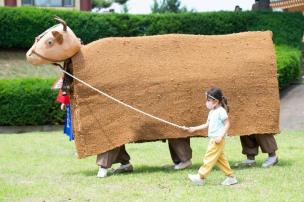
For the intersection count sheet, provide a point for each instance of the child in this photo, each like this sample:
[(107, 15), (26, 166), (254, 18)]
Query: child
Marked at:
[(218, 125)]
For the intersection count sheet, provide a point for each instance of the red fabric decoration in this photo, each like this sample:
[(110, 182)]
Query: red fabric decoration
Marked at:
[(65, 99)]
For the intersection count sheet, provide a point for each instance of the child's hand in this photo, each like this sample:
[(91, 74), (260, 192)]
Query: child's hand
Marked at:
[(191, 130), (62, 106), (218, 140)]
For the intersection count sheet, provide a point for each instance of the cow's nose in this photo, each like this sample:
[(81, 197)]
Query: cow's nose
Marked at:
[(32, 58), (28, 55)]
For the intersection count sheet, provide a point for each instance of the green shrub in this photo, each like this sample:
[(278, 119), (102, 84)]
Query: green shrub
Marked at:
[(28, 102), (19, 26), (288, 63)]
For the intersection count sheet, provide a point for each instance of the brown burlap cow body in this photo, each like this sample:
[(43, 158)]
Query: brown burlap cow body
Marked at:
[(167, 76)]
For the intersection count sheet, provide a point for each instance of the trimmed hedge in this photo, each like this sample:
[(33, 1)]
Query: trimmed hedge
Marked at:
[(28, 102), (288, 64), (19, 26)]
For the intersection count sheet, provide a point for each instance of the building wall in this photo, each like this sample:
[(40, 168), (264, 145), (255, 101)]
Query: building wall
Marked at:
[(296, 9), (78, 4), (85, 5), (10, 2)]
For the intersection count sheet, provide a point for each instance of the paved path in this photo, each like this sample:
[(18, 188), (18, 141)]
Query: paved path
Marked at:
[(292, 107)]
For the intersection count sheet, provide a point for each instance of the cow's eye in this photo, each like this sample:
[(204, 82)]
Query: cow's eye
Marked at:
[(50, 42)]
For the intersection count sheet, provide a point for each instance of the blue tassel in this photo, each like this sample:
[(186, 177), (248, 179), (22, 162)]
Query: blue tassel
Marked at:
[(68, 129)]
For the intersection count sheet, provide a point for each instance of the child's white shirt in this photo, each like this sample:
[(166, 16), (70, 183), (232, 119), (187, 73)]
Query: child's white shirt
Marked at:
[(216, 119)]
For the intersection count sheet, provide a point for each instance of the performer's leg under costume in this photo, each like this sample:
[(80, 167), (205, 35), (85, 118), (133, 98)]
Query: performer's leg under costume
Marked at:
[(117, 155), (251, 143), (180, 150)]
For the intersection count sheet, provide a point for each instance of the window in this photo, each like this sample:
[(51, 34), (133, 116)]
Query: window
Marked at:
[(27, 2), (57, 3), (49, 3), (67, 3)]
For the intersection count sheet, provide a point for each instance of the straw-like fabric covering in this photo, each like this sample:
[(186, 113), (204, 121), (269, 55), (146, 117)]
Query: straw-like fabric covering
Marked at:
[(167, 76)]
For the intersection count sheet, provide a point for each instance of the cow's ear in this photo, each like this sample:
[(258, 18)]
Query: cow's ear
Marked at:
[(58, 36)]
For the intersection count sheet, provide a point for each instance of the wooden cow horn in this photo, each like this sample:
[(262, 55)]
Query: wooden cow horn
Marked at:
[(58, 19)]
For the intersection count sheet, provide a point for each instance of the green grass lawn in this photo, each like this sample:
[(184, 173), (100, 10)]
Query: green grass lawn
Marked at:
[(13, 64), (43, 167)]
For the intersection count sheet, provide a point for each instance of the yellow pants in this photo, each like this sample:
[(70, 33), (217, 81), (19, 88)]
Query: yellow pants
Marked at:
[(215, 156)]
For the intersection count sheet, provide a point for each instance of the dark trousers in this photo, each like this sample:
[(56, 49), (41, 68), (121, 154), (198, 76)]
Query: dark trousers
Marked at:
[(180, 149), (117, 155), (251, 144)]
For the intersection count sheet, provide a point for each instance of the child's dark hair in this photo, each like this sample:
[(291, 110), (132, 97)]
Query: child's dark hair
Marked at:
[(217, 94)]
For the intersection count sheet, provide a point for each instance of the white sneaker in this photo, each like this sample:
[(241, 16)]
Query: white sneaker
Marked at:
[(183, 165), (196, 179), (229, 181), (270, 161), (124, 168), (169, 166), (102, 172), (249, 163)]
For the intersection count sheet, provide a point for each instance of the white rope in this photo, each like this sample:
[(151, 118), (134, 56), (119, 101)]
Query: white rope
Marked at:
[(124, 104)]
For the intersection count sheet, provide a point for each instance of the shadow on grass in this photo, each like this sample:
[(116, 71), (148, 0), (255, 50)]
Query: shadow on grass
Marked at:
[(194, 168), (137, 170), (281, 163)]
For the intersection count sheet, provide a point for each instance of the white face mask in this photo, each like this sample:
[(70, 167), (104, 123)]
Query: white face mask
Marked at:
[(209, 105)]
